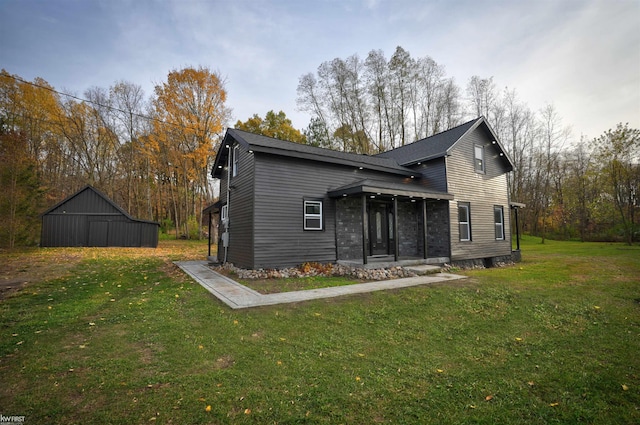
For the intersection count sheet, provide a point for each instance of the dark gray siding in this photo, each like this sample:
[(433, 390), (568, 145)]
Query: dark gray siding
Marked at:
[(86, 202), (89, 219), (482, 192), (64, 230), (282, 184), (241, 211), (434, 174)]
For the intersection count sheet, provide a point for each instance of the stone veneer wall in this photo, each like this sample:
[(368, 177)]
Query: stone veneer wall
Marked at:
[(409, 229), (438, 244), (349, 228)]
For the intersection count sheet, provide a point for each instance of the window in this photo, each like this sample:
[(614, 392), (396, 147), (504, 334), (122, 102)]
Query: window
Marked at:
[(224, 213), (464, 221), (478, 152), (498, 219), (312, 215), (235, 160)]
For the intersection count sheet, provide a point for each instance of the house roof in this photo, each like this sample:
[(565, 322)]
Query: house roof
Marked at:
[(259, 143), (101, 195), (407, 188), (441, 144)]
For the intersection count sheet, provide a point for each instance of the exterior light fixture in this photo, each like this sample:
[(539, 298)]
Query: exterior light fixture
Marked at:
[(219, 166), (250, 151), (359, 168), (344, 194), (413, 177), (372, 196), (501, 154), (493, 143)]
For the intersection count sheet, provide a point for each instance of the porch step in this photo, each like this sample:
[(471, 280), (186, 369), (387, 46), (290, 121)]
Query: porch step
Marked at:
[(424, 269)]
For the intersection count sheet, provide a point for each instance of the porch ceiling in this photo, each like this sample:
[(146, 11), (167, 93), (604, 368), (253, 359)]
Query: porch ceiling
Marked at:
[(408, 189)]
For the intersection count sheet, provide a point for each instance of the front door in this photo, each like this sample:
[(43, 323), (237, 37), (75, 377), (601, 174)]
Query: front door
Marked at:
[(380, 228)]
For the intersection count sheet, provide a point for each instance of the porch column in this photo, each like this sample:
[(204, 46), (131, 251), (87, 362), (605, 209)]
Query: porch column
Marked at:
[(517, 230), (424, 228), (396, 239), (364, 229), (209, 254)]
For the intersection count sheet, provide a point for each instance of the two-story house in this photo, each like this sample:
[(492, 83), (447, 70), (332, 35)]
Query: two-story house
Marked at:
[(440, 199)]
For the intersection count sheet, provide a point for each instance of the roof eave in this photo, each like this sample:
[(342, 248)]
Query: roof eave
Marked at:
[(371, 189)]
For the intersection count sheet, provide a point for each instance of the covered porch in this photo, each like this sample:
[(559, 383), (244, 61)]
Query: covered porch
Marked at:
[(383, 224)]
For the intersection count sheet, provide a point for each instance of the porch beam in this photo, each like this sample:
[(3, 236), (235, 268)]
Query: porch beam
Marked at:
[(424, 229), (364, 229), (396, 238)]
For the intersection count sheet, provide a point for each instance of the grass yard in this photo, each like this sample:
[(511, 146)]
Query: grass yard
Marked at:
[(120, 336)]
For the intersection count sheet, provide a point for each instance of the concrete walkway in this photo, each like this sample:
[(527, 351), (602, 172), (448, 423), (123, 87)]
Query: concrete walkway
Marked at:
[(238, 296)]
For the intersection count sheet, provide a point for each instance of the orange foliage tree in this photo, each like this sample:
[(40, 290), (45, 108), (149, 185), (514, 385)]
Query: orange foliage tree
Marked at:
[(190, 114), (273, 125)]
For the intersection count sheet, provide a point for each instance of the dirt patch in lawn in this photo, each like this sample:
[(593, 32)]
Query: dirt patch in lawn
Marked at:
[(19, 270)]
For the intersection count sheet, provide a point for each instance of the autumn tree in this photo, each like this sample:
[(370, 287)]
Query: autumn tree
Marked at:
[(129, 106), (189, 116), (20, 194), (273, 125), (618, 153)]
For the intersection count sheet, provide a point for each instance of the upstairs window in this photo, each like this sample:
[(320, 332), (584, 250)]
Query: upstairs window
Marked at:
[(498, 219), (464, 221), (478, 153), (234, 161), (312, 215)]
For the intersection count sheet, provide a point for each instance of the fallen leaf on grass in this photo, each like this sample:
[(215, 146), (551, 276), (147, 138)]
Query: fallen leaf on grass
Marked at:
[(247, 411), (488, 398), (208, 408), (625, 387), (554, 404)]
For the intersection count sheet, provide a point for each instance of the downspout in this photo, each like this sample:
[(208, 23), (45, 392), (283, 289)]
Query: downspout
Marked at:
[(226, 248)]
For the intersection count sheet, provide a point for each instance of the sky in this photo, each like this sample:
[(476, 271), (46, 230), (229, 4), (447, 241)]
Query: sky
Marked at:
[(582, 56)]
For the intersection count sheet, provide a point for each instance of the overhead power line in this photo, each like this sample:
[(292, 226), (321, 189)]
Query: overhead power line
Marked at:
[(111, 107)]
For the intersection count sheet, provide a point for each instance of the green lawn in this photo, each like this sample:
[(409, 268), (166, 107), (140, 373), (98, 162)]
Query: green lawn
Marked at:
[(122, 337)]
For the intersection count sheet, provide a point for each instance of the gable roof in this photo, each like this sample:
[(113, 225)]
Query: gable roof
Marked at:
[(101, 195), (259, 143), (441, 144)]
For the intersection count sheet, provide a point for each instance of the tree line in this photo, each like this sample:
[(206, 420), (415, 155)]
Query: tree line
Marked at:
[(152, 155), (585, 189)]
